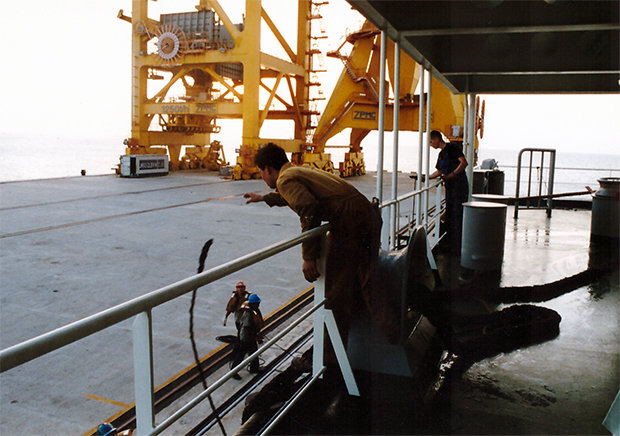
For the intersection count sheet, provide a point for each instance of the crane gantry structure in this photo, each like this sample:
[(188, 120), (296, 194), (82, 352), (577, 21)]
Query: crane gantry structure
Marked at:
[(222, 69), (223, 73), (354, 102)]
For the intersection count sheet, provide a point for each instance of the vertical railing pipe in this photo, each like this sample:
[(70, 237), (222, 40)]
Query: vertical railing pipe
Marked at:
[(143, 373), (517, 188), (396, 119), (381, 126), (421, 135), (437, 214), (542, 175), (319, 315), (428, 146), (471, 143), (529, 177), (551, 181)]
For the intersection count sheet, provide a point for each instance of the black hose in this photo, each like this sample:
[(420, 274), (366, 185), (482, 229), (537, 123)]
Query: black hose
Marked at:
[(203, 378)]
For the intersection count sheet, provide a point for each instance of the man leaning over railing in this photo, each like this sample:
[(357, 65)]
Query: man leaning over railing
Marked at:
[(318, 196)]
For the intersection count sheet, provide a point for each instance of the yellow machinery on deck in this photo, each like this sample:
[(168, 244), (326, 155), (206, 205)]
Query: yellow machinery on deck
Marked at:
[(222, 69), (354, 101)]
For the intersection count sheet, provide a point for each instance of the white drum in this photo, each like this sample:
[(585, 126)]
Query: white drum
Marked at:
[(605, 208)]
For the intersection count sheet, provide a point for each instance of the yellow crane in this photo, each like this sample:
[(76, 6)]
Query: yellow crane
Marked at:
[(354, 101), (222, 69)]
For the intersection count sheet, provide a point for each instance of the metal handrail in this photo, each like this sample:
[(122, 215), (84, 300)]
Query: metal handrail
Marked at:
[(38, 346), (141, 308), (410, 195), (290, 403), (204, 394), (551, 172), (569, 168), (391, 231)]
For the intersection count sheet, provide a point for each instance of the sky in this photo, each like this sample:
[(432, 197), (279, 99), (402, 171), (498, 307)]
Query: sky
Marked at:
[(67, 71)]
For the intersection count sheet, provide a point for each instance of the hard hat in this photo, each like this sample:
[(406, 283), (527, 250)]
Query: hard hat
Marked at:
[(254, 299), (240, 284), (105, 429)]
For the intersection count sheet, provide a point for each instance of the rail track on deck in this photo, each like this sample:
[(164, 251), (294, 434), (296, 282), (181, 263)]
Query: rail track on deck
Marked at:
[(115, 194)]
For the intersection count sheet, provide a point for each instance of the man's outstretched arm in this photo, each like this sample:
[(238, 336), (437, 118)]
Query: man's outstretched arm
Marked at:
[(272, 199), (253, 197)]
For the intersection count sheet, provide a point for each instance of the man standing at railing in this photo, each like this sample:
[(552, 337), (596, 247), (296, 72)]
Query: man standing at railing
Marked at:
[(318, 196), (451, 164)]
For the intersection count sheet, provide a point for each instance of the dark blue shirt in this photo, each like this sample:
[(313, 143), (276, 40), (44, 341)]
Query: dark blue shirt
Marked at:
[(448, 161)]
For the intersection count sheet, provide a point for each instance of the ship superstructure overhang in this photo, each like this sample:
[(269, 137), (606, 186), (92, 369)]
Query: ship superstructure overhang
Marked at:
[(497, 46)]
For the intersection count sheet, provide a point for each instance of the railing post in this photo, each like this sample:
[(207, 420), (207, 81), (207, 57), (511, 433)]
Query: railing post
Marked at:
[(517, 188), (394, 235), (418, 184), (385, 228), (381, 126), (324, 319), (397, 225), (341, 353), (395, 131), (319, 314), (471, 143), (143, 373), (437, 214), (428, 146), (550, 183)]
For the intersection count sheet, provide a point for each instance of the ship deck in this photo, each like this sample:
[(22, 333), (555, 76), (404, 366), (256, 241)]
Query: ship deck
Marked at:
[(72, 247)]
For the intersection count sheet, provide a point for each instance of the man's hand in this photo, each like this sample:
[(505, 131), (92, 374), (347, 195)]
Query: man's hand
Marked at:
[(252, 197), (311, 273), (448, 176)]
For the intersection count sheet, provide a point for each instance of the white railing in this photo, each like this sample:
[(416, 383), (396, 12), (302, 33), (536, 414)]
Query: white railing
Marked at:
[(140, 309), (419, 214), (28, 350), (568, 179)]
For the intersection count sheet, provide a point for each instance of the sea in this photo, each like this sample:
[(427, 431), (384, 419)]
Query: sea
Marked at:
[(28, 156)]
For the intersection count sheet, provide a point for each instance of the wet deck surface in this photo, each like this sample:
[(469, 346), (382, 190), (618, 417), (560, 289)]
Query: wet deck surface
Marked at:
[(561, 386), (564, 385), (73, 247)]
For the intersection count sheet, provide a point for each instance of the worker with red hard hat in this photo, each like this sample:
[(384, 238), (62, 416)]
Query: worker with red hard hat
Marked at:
[(238, 297)]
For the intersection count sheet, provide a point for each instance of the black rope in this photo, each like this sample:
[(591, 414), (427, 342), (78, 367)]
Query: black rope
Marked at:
[(203, 378), (539, 293)]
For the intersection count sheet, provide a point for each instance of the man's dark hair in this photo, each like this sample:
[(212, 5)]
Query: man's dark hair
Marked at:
[(271, 155), (436, 134)]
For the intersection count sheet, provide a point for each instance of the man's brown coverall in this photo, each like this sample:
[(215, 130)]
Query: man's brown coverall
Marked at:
[(318, 196), (234, 305)]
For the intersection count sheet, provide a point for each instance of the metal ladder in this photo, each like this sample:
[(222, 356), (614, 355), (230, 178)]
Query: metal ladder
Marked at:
[(536, 201)]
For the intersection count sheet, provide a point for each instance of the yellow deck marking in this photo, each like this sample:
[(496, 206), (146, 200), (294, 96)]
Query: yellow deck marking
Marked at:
[(105, 400)]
